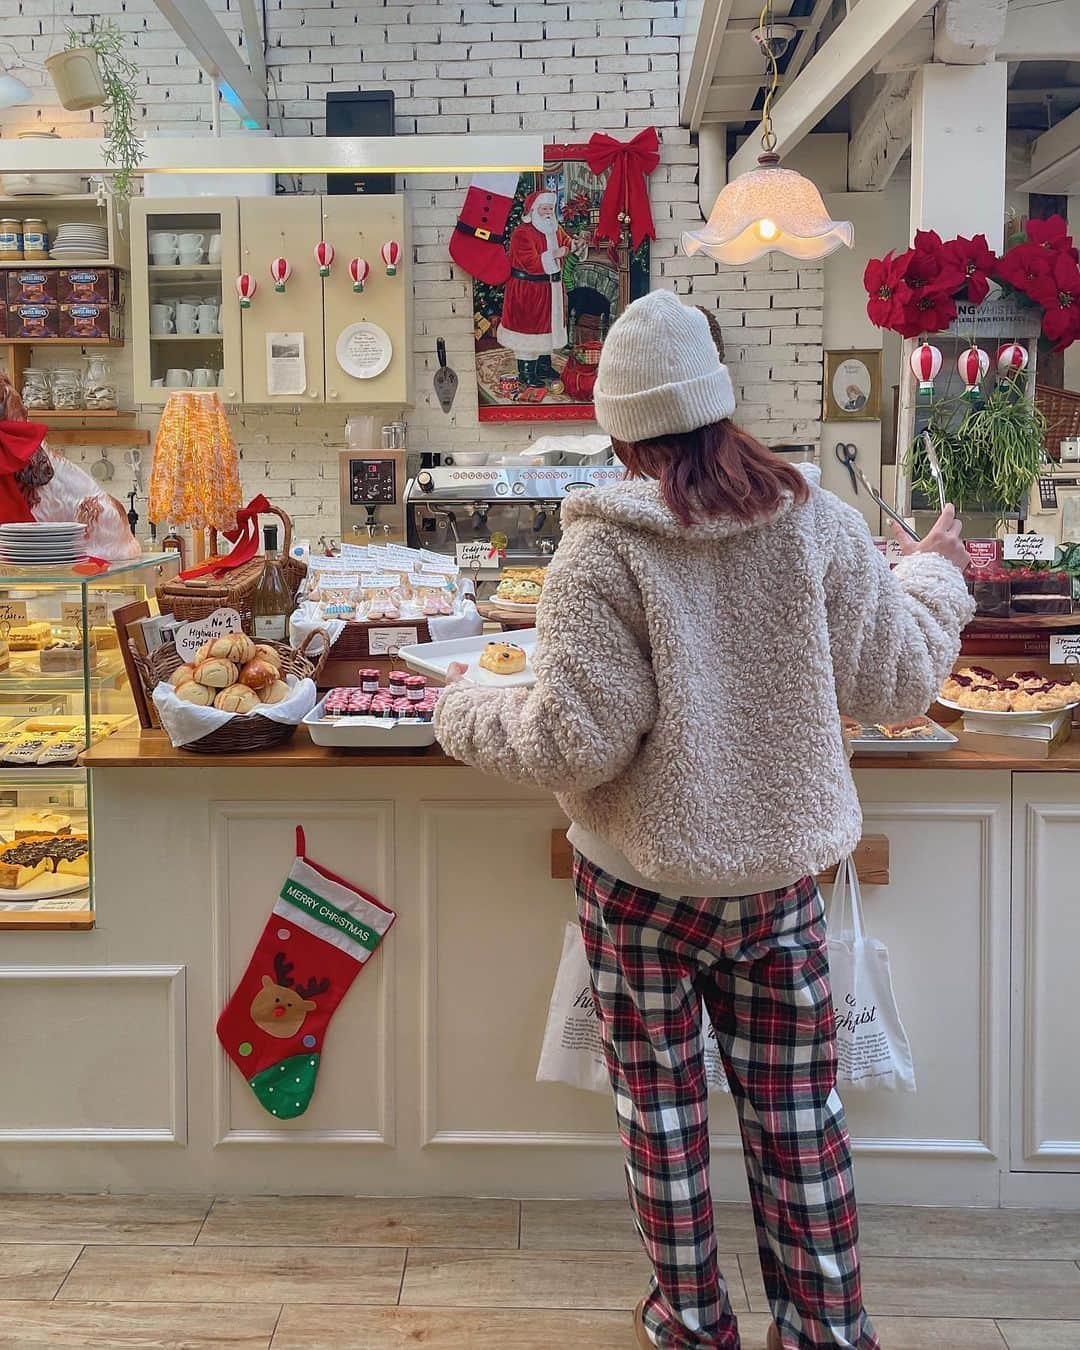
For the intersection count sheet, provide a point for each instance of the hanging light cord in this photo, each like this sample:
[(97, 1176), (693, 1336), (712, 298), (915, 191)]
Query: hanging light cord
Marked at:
[(772, 70)]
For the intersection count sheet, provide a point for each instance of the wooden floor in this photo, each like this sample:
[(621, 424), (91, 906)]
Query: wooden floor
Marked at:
[(331, 1273)]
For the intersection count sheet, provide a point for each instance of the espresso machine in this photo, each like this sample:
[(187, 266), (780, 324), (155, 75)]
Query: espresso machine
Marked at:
[(448, 506)]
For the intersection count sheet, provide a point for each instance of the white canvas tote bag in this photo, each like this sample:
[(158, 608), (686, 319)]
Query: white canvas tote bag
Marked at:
[(872, 1046), (572, 1052)]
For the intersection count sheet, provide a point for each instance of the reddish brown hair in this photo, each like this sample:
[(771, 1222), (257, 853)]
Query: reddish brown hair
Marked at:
[(718, 470)]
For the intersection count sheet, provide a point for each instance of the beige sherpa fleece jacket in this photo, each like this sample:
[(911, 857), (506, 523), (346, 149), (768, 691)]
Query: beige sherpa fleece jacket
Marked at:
[(689, 682)]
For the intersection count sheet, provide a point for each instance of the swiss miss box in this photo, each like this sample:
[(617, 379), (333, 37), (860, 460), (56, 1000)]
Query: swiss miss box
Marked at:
[(33, 320), (90, 285), (82, 319), (32, 286)]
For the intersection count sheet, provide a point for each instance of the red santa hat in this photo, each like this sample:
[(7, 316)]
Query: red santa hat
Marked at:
[(541, 197)]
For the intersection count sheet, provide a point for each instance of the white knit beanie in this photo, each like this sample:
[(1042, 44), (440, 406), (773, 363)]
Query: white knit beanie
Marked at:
[(660, 372)]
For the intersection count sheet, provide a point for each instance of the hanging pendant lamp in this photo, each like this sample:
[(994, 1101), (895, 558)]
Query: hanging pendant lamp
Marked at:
[(769, 209)]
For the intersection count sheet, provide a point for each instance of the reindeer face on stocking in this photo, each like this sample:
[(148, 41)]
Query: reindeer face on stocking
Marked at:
[(326, 929), (279, 1008)]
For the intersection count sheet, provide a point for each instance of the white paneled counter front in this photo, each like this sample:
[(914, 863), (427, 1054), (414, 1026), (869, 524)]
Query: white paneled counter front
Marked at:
[(115, 1079)]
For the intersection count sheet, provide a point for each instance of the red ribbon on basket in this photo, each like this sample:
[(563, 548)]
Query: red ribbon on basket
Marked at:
[(626, 193), (245, 540)]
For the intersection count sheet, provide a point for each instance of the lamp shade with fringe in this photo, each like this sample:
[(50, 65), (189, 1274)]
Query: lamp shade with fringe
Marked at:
[(195, 479)]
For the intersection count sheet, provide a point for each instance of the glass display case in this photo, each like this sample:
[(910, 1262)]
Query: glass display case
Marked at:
[(185, 329), (64, 684)]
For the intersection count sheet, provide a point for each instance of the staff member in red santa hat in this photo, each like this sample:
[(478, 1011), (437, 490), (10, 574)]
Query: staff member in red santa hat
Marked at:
[(533, 323)]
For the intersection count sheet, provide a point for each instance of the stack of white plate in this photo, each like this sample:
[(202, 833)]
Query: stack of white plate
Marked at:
[(80, 241), (38, 543)]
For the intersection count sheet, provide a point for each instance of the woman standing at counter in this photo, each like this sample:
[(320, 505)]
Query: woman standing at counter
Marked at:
[(701, 630)]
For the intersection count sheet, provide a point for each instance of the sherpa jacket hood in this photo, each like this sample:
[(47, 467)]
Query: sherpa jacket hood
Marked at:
[(689, 683)]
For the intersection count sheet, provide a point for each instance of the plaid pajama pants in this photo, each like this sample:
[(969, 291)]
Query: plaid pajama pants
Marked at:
[(760, 964)]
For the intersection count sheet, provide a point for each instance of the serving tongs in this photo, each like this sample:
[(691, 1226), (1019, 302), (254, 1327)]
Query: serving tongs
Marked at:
[(935, 466), (880, 500)]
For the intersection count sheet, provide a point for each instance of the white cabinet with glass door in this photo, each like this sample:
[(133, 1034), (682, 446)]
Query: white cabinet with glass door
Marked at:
[(282, 330), (185, 312)]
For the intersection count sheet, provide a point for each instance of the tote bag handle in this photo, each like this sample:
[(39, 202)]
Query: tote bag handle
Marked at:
[(846, 892)]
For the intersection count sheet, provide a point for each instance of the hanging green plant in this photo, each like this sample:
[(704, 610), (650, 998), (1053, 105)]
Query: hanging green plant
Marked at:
[(123, 148), (991, 459)]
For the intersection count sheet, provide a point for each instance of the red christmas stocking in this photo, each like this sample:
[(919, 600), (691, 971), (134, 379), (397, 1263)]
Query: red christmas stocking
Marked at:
[(478, 244), (321, 932)]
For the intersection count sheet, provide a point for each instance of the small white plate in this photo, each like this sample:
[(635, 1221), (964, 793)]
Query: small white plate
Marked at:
[(1015, 716), (45, 887), (512, 606), (364, 350)]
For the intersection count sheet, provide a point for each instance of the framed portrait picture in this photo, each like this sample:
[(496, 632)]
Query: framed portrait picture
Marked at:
[(539, 335), (853, 386)]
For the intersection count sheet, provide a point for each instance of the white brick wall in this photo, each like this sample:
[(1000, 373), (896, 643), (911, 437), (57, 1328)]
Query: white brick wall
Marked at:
[(564, 69)]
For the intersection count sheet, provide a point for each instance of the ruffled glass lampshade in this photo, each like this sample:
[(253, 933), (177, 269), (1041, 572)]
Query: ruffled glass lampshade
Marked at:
[(769, 209)]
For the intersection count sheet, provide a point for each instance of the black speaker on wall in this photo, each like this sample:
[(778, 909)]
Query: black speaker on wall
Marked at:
[(360, 113)]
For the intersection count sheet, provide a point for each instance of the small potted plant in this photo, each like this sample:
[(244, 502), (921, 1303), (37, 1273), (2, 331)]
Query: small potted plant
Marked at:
[(95, 71)]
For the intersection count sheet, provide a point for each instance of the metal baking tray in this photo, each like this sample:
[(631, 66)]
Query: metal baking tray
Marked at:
[(872, 741), (433, 658)]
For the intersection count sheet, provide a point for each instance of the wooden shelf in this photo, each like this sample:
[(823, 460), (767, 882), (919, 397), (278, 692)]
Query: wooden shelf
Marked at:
[(62, 199), (117, 437), (35, 921), (182, 271), (60, 342), (86, 414), (61, 262), (1024, 623)]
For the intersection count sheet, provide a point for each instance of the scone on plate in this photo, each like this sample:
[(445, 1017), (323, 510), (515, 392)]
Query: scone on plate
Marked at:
[(503, 658)]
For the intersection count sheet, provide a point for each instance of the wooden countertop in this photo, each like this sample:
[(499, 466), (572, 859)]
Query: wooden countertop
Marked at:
[(151, 750)]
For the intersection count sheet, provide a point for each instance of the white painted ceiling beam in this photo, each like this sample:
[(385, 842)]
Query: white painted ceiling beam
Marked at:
[(712, 24), (287, 154), (868, 32), (967, 32), (199, 30), (1055, 159), (805, 44), (1041, 30), (881, 109), (253, 41)]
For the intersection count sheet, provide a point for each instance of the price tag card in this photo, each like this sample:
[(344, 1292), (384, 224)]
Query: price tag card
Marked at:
[(13, 612), (1065, 649), (1030, 548), (477, 553), (389, 641), (378, 581), (191, 636), (97, 613)]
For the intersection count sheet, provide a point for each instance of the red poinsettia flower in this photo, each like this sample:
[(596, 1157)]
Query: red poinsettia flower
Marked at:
[(926, 266), (884, 282), (976, 259), (926, 311), (1059, 295), (1024, 267), (1052, 234)]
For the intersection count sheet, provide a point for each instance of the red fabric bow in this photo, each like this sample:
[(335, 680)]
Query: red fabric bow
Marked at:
[(630, 163), (244, 538), (19, 442)]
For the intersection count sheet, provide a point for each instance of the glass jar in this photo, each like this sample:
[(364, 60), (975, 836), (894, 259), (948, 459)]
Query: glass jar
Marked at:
[(99, 385), (11, 239), (67, 390), (36, 395), (35, 239)]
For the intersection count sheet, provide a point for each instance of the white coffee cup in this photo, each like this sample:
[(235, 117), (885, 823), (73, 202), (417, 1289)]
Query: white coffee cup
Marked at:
[(213, 252), (187, 317), (164, 259), (162, 241), (177, 379), (207, 319), (190, 243), (158, 383), (204, 378), (161, 319)]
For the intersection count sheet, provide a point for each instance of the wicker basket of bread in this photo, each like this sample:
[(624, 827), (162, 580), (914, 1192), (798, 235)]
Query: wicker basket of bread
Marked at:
[(234, 674)]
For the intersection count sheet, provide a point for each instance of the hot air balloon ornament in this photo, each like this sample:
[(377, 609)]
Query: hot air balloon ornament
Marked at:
[(972, 365), (1011, 359), (358, 270), (391, 256), (324, 256), (925, 365), (280, 271), (246, 286)]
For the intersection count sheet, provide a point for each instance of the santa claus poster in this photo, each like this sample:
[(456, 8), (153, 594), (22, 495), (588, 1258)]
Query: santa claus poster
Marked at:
[(539, 333)]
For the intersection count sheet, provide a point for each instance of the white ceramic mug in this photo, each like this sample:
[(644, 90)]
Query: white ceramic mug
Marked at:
[(158, 383), (207, 319), (161, 241), (204, 378), (161, 319), (187, 317), (177, 379), (213, 252), (190, 243)]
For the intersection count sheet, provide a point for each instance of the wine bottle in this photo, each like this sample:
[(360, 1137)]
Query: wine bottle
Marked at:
[(271, 603)]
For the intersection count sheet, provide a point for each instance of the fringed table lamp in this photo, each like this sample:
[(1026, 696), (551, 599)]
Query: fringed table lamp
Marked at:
[(195, 479)]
